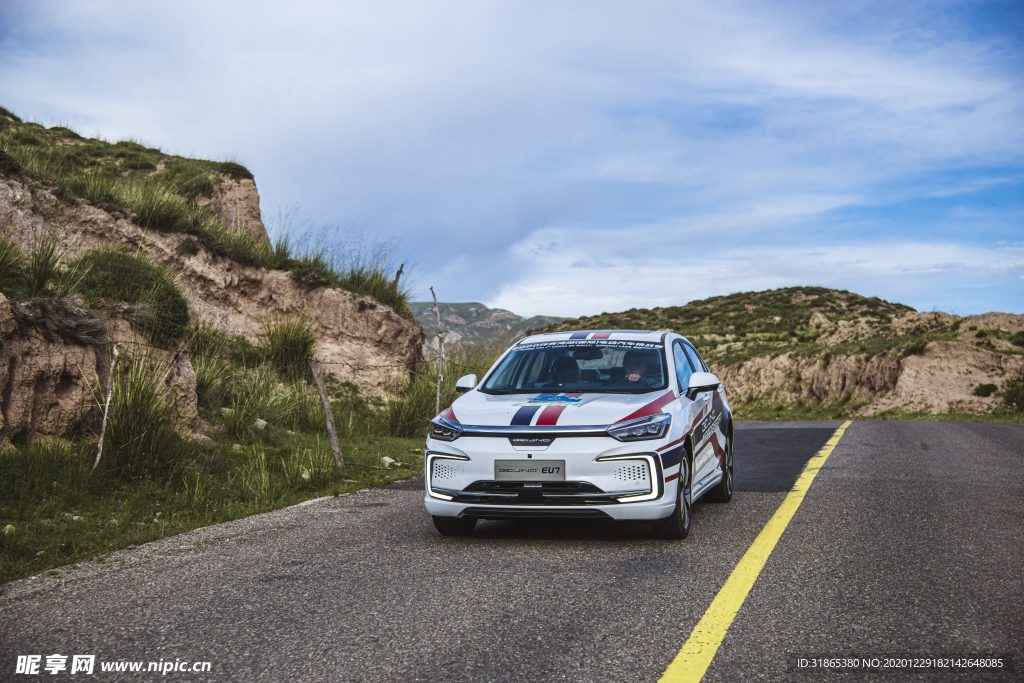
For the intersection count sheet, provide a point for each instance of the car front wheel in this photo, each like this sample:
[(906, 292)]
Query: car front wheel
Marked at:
[(454, 526), (677, 525)]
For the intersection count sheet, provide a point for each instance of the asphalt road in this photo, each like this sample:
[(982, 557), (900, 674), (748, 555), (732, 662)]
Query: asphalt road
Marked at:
[(909, 542)]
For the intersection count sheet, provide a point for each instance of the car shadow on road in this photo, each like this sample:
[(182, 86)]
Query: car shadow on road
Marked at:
[(545, 529)]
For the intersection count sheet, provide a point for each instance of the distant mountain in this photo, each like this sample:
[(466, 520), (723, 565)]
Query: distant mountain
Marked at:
[(474, 323)]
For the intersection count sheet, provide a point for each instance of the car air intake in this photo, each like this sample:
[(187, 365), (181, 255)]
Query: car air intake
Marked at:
[(444, 470), (633, 473)]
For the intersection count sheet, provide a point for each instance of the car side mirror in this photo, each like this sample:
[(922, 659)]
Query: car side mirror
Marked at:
[(701, 382), (465, 383)]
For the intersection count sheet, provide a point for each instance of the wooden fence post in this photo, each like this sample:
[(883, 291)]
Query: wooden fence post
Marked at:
[(318, 380), (106, 407), (440, 346)]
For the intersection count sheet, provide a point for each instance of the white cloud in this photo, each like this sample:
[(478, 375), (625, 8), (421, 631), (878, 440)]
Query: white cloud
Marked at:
[(461, 127), (649, 269)]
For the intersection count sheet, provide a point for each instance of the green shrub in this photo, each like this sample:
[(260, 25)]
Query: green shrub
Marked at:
[(7, 113), (25, 137), (187, 177), (303, 411), (64, 132), (123, 148), (138, 162), (1018, 338), (9, 166), (116, 276), (1013, 395), (915, 349), (985, 390), (234, 170)]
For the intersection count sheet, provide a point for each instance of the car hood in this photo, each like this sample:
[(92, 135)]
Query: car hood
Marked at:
[(549, 410)]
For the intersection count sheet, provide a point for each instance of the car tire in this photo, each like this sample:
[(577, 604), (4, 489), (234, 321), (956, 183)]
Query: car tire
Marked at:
[(722, 493), (677, 525), (454, 526)]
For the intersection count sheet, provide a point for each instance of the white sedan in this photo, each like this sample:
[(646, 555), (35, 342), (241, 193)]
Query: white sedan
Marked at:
[(608, 424)]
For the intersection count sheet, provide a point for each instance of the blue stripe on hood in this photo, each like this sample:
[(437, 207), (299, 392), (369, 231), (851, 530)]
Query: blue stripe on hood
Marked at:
[(524, 415)]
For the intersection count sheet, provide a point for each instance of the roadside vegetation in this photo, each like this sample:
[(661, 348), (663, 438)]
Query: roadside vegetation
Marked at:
[(169, 193), (260, 442), (267, 444)]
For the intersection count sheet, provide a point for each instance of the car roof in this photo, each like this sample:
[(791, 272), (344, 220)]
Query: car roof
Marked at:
[(655, 336)]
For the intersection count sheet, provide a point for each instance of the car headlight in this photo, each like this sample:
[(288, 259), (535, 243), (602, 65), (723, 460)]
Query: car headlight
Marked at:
[(444, 429), (643, 429)]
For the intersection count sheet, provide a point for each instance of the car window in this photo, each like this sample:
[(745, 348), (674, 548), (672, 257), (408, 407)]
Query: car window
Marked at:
[(683, 368), (580, 366), (695, 358)]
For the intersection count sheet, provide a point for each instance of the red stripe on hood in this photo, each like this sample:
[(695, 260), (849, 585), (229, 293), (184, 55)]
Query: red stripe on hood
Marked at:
[(549, 417), (652, 408), (450, 414)]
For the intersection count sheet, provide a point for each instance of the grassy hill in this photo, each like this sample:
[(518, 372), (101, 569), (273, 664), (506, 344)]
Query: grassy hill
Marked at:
[(170, 193), (825, 352)]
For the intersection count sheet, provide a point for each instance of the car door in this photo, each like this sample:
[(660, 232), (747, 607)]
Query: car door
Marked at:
[(691, 409), (705, 459)]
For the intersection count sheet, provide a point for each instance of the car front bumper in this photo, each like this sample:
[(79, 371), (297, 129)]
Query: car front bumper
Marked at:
[(602, 478)]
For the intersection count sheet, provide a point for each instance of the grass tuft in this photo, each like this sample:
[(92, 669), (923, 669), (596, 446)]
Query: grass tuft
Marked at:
[(45, 271), (288, 345), (10, 268), (141, 437)]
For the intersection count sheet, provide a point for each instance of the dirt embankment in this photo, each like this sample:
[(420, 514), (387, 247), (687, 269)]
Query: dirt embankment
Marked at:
[(54, 358), (941, 379), (788, 378), (359, 339)]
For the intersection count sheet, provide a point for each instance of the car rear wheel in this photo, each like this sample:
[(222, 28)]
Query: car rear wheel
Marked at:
[(722, 493), (454, 526), (677, 525)]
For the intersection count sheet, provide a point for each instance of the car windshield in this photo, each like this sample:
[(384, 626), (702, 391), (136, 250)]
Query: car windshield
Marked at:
[(580, 366)]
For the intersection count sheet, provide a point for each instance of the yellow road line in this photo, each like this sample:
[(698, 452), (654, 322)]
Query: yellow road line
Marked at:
[(695, 657)]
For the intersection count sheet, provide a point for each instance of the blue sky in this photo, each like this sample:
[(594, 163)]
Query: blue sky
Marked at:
[(571, 158)]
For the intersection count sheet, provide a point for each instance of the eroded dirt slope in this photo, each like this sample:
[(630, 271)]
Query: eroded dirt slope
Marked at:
[(359, 339)]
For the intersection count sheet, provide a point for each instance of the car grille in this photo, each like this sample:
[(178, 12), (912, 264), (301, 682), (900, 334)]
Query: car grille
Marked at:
[(535, 493)]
